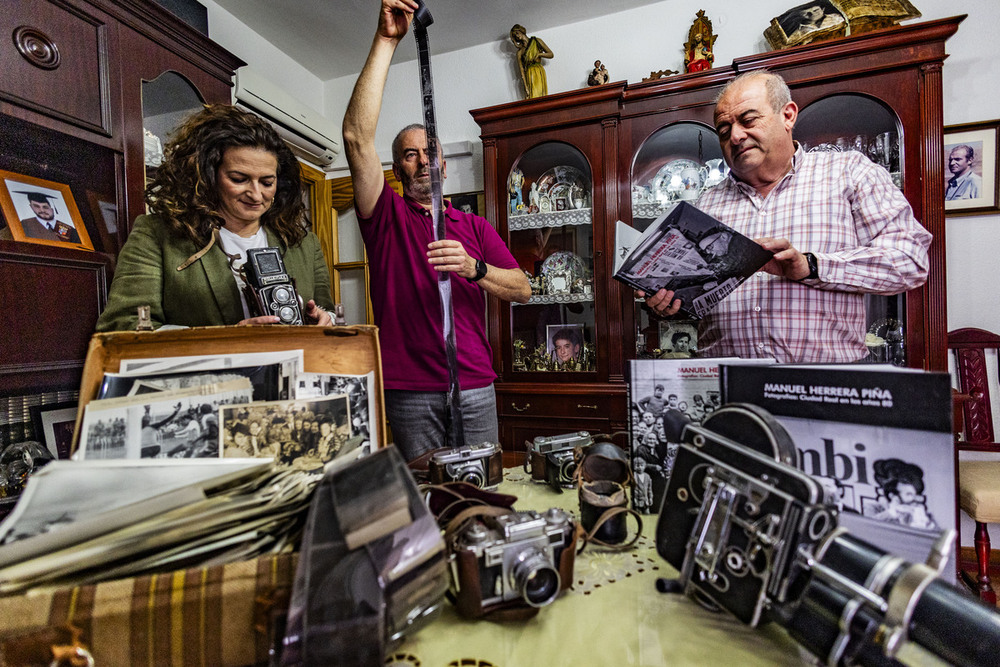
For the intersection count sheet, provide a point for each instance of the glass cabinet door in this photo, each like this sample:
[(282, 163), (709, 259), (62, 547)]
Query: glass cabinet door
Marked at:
[(550, 220), (167, 101), (860, 123), (675, 163)]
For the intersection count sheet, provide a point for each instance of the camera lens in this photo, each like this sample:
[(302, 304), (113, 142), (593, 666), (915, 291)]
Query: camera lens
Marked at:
[(282, 294), (473, 477), (286, 314), (567, 471), (535, 579)]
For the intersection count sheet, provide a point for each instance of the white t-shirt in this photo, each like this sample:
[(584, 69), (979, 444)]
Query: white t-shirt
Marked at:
[(234, 244)]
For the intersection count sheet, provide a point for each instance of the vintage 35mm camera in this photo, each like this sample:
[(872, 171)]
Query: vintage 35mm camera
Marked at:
[(480, 465), (552, 458), (516, 559), (271, 291)]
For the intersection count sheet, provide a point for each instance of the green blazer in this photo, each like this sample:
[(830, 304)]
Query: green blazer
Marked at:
[(204, 293)]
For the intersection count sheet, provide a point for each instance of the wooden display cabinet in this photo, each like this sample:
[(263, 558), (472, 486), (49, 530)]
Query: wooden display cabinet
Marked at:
[(879, 91), (74, 101), (561, 149)]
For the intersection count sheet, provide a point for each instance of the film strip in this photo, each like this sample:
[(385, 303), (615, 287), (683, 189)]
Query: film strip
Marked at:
[(421, 20)]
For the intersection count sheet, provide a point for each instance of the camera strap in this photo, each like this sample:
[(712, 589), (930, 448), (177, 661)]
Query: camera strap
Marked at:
[(421, 20)]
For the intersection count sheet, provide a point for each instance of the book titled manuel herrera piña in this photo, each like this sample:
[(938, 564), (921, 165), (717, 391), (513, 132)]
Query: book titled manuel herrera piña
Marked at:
[(877, 437), (699, 258)]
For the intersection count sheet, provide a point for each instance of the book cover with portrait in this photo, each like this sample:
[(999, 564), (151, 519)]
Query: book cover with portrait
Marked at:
[(877, 437)]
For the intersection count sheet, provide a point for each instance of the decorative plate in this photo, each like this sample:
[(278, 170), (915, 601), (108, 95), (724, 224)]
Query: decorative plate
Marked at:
[(564, 263), (677, 180), (570, 179)]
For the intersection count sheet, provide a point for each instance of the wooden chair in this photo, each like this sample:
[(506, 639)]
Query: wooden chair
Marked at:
[(978, 481)]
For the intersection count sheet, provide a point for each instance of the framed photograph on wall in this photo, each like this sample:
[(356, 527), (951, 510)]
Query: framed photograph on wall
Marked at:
[(970, 168), (40, 211), (469, 202)]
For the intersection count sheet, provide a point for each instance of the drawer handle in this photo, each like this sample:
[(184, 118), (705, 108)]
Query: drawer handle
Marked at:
[(526, 406), (585, 407)]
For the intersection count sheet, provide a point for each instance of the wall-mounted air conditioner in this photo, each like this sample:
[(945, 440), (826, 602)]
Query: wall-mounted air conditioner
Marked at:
[(311, 136)]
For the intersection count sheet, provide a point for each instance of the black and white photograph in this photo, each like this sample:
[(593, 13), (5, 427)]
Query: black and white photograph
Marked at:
[(360, 389), (305, 434), (564, 342), (656, 385), (972, 186), (806, 23), (268, 382), (168, 424), (41, 211), (469, 202), (678, 339), (287, 362)]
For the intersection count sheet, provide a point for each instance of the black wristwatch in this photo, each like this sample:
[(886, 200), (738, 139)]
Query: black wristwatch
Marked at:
[(813, 267), (481, 269)]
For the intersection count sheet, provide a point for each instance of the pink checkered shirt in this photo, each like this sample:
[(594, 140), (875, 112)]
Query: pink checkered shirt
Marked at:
[(846, 211)]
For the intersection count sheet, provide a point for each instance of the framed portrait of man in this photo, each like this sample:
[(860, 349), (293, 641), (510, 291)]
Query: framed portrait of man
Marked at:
[(971, 185), (41, 211)]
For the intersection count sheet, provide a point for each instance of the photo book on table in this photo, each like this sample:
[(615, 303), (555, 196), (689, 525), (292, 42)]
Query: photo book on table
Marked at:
[(877, 437)]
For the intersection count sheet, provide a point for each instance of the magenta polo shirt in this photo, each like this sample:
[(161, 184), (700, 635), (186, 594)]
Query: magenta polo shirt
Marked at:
[(405, 299)]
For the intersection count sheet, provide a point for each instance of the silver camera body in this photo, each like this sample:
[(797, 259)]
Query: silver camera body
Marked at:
[(545, 444), (271, 291), (517, 558), (552, 458), (480, 465)]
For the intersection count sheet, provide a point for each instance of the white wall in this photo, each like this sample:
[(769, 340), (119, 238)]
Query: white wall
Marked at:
[(233, 35)]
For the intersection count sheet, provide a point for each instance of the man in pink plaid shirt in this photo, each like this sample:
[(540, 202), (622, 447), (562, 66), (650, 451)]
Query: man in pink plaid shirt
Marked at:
[(838, 228)]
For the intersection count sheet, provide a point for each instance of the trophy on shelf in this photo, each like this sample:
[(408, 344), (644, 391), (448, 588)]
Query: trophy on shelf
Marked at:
[(519, 346)]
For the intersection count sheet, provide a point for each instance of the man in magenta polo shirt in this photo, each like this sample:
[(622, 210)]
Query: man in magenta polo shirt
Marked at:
[(404, 263)]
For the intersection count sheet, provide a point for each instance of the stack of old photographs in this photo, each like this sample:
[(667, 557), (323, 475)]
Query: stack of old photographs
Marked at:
[(80, 522), (256, 405)]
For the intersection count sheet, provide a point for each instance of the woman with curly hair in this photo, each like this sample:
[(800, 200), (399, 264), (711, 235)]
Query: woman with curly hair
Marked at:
[(228, 184)]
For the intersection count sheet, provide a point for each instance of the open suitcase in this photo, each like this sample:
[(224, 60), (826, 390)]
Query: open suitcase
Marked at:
[(210, 616)]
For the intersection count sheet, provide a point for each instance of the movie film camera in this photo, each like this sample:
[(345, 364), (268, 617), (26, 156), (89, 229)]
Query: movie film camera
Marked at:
[(749, 533)]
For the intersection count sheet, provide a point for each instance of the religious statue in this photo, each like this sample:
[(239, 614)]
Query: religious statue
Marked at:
[(530, 51), (698, 54), (599, 75), (514, 184)]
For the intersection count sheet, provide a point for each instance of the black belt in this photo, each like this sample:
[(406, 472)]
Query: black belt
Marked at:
[(421, 20)]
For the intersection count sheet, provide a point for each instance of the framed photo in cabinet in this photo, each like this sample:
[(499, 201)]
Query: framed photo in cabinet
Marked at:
[(564, 341), (469, 202), (40, 211), (970, 168)]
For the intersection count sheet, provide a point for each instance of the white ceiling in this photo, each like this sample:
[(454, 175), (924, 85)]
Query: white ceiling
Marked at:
[(331, 38)]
